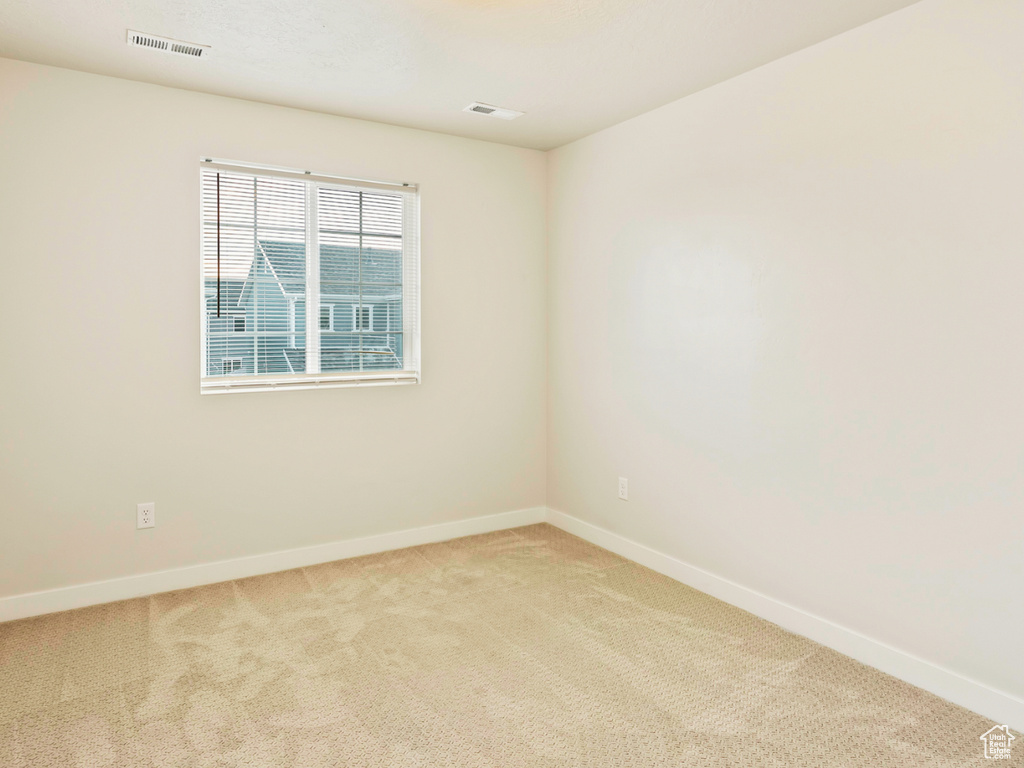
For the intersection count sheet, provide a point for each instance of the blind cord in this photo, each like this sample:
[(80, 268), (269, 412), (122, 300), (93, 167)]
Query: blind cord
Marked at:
[(218, 245)]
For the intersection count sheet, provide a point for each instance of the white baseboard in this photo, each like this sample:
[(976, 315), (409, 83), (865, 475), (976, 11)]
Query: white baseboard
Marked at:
[(978, 697), (97, 592), (1002, 707)]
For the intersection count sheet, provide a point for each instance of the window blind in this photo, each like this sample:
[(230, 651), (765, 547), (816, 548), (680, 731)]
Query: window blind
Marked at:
[(306, 281)]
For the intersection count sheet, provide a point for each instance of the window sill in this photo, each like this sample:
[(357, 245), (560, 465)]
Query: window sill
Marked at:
[(224, 385)]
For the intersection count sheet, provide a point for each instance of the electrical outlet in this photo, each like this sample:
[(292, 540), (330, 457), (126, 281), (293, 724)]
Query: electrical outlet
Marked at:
[(146, 515), (624, 489)]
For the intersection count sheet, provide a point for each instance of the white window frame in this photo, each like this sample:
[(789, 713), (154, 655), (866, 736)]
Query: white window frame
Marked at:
[(234, 361), (410, 373), (356, 310), (330, 317)]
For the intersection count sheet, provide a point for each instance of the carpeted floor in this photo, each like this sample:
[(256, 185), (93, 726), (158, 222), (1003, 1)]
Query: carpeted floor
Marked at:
[(520, 648)]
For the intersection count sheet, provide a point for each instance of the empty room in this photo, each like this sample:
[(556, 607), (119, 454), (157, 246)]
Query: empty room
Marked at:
[(511, 383)]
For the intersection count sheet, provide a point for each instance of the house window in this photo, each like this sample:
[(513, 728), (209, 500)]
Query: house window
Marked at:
[(279, 247), (362, 317), (327, 318)]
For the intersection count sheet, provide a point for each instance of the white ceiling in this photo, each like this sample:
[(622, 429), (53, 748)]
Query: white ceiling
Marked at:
[(574, 66)]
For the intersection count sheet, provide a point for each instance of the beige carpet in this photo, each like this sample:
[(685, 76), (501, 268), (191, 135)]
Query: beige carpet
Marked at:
[(520, 648)]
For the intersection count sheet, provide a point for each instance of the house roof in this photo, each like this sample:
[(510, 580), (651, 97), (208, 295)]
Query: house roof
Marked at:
[(338, 265)]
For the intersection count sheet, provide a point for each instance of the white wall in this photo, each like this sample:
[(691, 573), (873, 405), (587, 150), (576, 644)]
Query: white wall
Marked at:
[(99, 332), (790, 309)]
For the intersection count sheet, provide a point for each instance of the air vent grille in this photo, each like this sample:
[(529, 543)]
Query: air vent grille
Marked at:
[(167, 45), (490, 110), (187, 50)]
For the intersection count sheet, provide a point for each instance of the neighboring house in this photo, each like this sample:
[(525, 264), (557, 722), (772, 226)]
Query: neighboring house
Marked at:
[(262, 323), (228, 348)]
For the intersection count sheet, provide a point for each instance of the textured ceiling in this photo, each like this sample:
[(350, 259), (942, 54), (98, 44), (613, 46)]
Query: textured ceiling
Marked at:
[(574, 66)]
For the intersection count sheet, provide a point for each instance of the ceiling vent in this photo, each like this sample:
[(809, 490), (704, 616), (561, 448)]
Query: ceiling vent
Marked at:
[(167, 45), (490, 110)]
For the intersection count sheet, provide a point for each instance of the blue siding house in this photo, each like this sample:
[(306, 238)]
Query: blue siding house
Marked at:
[(261, 327)]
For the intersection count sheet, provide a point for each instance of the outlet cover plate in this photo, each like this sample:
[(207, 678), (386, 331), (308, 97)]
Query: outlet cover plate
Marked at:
[(146, 515)]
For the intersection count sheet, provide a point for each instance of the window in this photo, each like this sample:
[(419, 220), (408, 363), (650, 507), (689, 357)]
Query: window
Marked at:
[(362, 317), (281, 246), (327, 318)]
